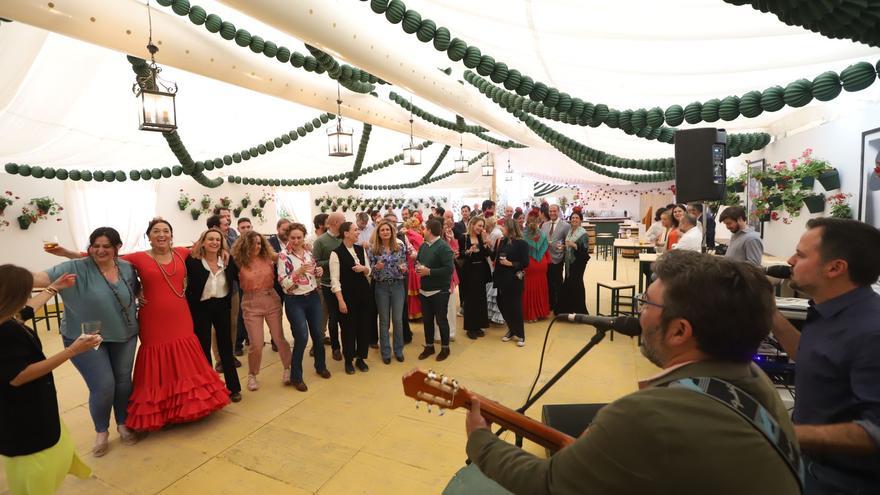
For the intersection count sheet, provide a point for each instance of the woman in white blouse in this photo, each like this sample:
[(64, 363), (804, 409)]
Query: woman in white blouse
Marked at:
[(350, 282), (298, 275), (209, 280)]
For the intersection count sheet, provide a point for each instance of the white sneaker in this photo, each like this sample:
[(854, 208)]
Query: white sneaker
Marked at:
[(507, 337), (253, 385), (285, 376), (521, 342)]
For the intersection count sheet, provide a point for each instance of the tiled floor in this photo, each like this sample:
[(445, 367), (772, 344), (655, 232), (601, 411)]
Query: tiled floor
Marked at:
[(349, 434)]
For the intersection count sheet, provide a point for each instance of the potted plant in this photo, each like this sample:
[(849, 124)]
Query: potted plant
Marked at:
[(828, 176), (257, 212), (245, 201), (318, 202), (236, 211), (267, 196), (46, 206), (344, 208), (225, 202), (840, 205), (793, 201), (196, 213), (323, 208), (27, 217), (815, 202), (6, 200), (206, 202), (328, 201), (183, 201), (736, 184), (774, 200)]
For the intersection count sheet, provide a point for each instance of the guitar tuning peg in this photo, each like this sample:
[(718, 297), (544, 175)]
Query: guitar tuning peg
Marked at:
[(429, 408), (417, 404), (442, 412)]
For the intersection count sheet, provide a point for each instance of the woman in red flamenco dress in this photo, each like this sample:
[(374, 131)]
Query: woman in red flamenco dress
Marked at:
[(414, 305), (536, 302), (172, 382)]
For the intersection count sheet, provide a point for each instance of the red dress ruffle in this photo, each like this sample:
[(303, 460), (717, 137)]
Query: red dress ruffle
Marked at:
[(536, 299)]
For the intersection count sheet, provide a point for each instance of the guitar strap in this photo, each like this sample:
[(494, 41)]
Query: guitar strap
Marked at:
[(752, 411)]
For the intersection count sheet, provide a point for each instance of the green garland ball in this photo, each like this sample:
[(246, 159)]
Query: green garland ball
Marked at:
[(772, 99), (270, 146), (146, 174), (227, 30), (297, 59), (120, 175), (227, 160), (826, 86), (600, 114), (514, 78), (692, 112), (798, 93), (472, 57), (309, 127), (134, 175), (98, 175), (729, 108), (37, 172), (412, 21), (539, 92), (311, 64), (176, 170), (613, 120), (709, 112), (316, 122), (674, 115), (209, 165), (379, 6), (180, 7), (61, 174), (261, 149), (457, 50), (49, 173), (11, 168), (217, 162), (442, 38), (395, 11), (486, 65), (283, 54), (858, 76), (654, 117), (197, 15), (75, 175), (242, 38), (639, 119), (525, 86), (750, 104), (86, 176), (270, 49), (213, 23)]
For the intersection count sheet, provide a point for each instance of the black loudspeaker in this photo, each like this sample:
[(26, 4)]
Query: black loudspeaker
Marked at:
[(700, 164), (571, 419)]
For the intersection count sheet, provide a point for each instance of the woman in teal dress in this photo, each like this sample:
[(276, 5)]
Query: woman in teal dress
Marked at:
[(573, 298)]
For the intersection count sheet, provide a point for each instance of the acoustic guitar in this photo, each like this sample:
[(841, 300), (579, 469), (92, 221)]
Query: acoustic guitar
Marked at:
[(447, 393)]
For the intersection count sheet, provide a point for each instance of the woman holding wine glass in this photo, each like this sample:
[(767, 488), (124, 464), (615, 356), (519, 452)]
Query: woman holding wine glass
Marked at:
[(105, 293), (388, 257), (350, 283), (475, 275), (511, 261), (35, 446), (298, 275)]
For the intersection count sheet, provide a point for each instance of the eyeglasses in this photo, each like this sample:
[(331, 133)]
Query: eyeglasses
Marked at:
[(640, 302)]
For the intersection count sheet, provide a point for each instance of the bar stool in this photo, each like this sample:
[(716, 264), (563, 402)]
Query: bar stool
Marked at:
[(622, 299), (604, 242)]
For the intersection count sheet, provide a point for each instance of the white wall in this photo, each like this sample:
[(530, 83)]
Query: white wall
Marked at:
[(840, 143)]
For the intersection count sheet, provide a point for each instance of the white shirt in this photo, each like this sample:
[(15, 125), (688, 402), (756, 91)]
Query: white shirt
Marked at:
[(287, 277), (335, 284), (692, 240), (366, 234), (216, 286), (657, 231)]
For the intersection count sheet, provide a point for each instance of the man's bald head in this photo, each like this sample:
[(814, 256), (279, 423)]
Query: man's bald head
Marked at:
[(334, 221)]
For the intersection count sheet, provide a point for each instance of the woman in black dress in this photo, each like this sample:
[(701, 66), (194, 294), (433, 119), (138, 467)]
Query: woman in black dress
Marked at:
[(511, 259), (573, 298), (475, 274)]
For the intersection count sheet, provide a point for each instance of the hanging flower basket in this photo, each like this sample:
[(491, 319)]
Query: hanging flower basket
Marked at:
[(196, 213), (738, 186), (768, 182), (808, 182), (830, 180), (775, 200), (206, 204), (24, 222), (815, 203), (245, 202)]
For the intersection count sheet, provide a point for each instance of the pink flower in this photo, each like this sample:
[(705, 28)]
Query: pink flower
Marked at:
[(793, 162)]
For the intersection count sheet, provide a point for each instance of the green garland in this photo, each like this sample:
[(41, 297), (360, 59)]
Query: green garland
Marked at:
[(437, 163), (39, 172), (352, 78), (421, 182), (359, 159), (858, 21), (325, 179), (459, 125), (629, 122), (341, 73), (824, 87)]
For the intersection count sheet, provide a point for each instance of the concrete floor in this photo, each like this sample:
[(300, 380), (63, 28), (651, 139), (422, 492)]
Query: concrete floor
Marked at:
[(348, 434)]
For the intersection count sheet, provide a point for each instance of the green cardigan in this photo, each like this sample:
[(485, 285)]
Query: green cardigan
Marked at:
[(438, 257)]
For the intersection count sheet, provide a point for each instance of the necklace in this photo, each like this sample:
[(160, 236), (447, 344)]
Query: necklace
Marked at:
[(166, 275), (131, 298)]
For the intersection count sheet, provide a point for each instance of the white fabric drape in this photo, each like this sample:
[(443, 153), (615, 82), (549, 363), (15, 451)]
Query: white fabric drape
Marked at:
[(294, 205), (127, 207)]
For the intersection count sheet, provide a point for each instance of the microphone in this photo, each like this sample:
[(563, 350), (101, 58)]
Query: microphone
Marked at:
[(626, 325), (778, 271)]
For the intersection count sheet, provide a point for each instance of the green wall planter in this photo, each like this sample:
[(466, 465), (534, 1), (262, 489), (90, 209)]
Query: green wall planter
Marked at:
[(767, 182), (815, 203), (830, 180), (765, 217), (739, 186), (195, 214), (775, 200), (808, 182), (24, 222)]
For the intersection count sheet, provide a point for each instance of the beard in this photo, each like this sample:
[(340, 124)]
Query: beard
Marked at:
[(649, 350)]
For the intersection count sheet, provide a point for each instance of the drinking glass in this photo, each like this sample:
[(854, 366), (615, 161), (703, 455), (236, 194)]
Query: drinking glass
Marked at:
[(91, 328), (50, 242)]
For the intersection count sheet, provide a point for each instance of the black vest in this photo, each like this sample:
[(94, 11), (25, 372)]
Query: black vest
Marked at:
[(355, 286)]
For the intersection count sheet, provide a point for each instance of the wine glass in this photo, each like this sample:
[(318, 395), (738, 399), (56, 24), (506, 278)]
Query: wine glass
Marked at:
[(91, 328)]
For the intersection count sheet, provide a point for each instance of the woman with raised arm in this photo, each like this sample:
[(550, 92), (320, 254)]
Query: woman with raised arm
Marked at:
[(35, 446), (106, 291), (475, 275)]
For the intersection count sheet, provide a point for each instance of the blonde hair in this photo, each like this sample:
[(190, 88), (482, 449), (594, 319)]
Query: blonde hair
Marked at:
[(241, 251), (473, 222), (490, 223), (376, 243), (198, 249), (15, 290)]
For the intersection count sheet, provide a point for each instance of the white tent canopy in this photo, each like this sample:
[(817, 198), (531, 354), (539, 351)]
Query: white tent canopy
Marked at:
[(67, 102)]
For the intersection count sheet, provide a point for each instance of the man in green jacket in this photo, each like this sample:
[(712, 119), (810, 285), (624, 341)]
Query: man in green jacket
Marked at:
[(434, 265), (704, 317), (324, 245)]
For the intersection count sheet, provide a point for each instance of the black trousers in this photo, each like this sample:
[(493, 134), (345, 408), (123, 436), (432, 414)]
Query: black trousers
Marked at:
[(332, 317), (374, 328), (217, 313), (510, 305), (356, 326), (554, 284), (473, 287), (407, 331), (435, 308)]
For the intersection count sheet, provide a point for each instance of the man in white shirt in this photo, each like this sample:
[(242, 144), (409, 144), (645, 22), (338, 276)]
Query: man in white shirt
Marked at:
[(366, 228), (692, 237)]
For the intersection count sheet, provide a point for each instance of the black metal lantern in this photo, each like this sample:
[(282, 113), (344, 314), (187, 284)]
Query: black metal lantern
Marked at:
[(412, 155), (158, 110), (340, 140), (508, 174), (488, 167), (461, 163)]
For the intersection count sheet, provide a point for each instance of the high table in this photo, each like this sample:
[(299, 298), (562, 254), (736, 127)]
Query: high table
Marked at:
[(633, 244)]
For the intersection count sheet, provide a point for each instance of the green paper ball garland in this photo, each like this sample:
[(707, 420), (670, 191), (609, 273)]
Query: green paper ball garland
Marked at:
[(350, 77), (359, 158), (425, 180), (856, 20)]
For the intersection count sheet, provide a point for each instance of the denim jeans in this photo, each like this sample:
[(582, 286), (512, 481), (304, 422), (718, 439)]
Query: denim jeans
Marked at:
[(107, 372), (389, 302), (305, 316)]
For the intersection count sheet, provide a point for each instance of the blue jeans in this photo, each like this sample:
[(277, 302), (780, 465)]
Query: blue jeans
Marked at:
[(305, 316), (107, 372), (389, 301)]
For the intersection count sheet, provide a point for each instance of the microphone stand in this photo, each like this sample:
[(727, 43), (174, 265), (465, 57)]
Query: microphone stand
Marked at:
[(600, 334)]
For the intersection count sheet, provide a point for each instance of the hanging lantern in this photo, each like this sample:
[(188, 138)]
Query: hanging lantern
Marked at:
[(412, 155), (508, 174), (461, 163), (158, 111), (340, 139), (488, 167)]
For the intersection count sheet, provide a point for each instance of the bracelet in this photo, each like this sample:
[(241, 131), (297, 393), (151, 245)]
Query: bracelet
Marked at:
[(51, 290)]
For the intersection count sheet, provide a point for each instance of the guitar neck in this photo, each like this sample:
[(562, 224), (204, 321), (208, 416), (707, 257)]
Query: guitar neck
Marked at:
[(520, 424)]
